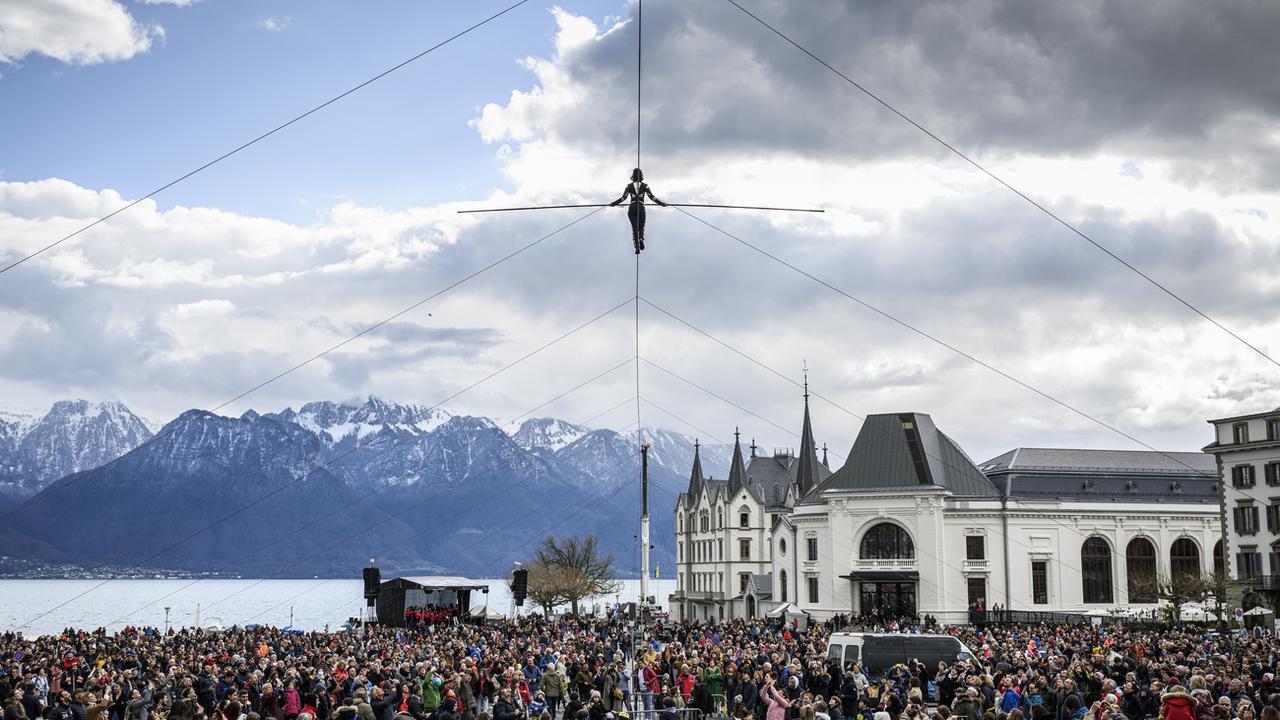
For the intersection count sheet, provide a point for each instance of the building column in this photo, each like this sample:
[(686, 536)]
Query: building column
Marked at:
[(1119, 568), (1163, 568)]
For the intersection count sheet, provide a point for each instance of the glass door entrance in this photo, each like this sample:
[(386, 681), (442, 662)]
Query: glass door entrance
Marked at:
[(888, 599)]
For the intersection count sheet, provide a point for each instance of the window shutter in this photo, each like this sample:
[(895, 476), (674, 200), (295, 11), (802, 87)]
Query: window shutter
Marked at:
[(1235, 519), (1253, 519)]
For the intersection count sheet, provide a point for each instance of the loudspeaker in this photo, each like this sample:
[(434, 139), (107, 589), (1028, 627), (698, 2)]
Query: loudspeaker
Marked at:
[(372, 579), (520, 586)]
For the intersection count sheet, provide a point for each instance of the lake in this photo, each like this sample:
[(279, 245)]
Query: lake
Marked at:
[(41, 607)]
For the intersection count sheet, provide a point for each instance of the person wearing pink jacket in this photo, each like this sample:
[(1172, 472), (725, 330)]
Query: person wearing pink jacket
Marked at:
[(777, 703)]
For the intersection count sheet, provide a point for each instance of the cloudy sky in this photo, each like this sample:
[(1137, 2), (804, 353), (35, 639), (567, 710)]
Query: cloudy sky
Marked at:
[(1152, 126)]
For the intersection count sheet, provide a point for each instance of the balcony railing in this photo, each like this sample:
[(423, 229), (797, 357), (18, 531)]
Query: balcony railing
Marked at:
[(1263, 582), (909, 564), (976, 565)]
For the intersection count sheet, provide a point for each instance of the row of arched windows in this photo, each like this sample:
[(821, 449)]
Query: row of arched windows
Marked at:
[(1140, 568), (887, 541)]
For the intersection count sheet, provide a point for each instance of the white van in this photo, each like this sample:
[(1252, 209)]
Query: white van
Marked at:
[(877, 652)]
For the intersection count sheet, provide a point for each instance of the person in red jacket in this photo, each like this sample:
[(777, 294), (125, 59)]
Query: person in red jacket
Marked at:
[(685, 681), (1177, 704)]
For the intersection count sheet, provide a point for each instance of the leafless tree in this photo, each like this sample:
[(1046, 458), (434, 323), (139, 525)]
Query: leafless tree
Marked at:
[(548, 586), (580, 569)]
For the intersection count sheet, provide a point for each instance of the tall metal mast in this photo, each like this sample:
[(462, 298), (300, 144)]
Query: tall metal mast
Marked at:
[(644, 525)]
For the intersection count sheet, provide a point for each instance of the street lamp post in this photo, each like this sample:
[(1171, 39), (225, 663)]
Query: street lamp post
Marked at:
[(166, 619)]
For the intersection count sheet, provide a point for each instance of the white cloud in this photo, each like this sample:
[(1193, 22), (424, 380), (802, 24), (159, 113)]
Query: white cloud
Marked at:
[(274, 24), (916, 233), (81, 32), (204, 309), (179, 3)]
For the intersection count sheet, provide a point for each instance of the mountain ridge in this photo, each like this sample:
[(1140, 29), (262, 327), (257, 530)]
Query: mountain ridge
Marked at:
[(415, 487)]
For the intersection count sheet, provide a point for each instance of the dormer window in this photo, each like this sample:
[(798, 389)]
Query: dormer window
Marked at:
[(1087, 486), (744, 520), (1175, 488), (1273, 428), (1240, 433), (1131, 486)]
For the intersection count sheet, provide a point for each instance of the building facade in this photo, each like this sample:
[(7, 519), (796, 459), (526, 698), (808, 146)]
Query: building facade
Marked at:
[(909, 525), (1247, 454), (724, 530)]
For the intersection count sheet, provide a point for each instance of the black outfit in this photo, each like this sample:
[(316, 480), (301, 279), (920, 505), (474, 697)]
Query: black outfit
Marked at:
[(637, 191)]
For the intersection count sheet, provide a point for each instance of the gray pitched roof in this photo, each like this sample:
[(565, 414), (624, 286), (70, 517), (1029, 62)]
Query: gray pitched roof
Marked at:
[(764, 585), (1106, 460), (808, 468), (769, 477), (906, 450), (1105, 475), (695, 475), (737, 471)]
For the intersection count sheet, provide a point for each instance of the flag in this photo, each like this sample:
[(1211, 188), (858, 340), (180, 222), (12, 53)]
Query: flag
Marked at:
[(657, 571)]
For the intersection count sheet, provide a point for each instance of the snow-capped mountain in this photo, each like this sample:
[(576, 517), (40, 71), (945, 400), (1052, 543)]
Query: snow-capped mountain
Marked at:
[(348, 422), (674, 451), (548, 434), (414, 487), (261, 482), (74, 435)]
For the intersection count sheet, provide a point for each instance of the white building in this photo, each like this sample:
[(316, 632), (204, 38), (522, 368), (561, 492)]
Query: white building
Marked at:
[(1247, 451), (724, 530), (910, 524)]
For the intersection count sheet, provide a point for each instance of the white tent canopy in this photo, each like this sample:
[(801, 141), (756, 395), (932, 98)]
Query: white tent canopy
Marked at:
[(785, 609), (486, 612), (1258, 611)]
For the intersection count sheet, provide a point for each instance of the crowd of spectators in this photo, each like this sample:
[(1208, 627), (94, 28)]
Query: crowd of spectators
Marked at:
[(607, 669)]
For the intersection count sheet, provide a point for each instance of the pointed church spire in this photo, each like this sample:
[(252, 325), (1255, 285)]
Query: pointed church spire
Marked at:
[(807, 460), (824, 456), (753, 447), (737, 470), (695, 476)]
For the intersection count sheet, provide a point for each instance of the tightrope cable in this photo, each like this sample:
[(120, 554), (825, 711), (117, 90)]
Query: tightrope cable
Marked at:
[(983, 169)]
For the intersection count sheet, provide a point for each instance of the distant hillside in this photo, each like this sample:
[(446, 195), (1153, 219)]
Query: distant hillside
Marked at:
[(320, 490)]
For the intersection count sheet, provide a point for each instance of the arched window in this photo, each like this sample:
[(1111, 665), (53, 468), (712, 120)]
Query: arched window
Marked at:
[(1095, 570), (1184, 560), (1140, 566), (783, 576), (1219, 562), (720, 518), (887, 541), (706, 521), (680, 520), (782, 547)]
